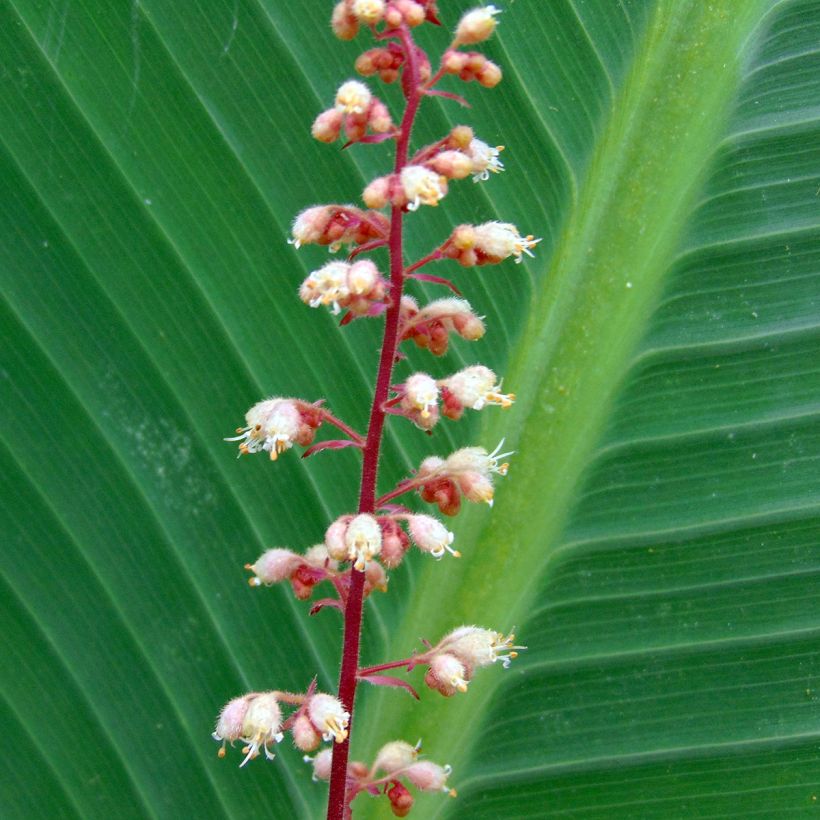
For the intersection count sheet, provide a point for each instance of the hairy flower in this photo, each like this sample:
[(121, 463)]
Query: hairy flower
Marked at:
[(273, 565), (447, 674), (328, 716), (363, 539), (395, 755), (274, 425), (429, 776), (321, 763), (369, 12), (230, 721), (419, 400), (475, 387), (476, 646), (422, 186), (430, 535), (353, 97), (484, 160), (476, 25), (263, 720)]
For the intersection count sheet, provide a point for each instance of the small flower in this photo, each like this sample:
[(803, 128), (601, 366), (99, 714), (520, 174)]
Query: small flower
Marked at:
[(430, 327), (343, 22), (363, 539), (453, 164), (430, 535), (429, 777), (447, 674), (321, 763), (326, 286), (475, 387), (305, 736), (353, 97), (476, 25), (420, 400), (327, 126), (484, 160), (328, 716), (272, 566), (500, 240), (472, 469), (261, 725), (369, 12), (395, 755), (335, 538), (336, 225), (422, 186), (273, 425), (477, 647), (230, 721), (401, 801)]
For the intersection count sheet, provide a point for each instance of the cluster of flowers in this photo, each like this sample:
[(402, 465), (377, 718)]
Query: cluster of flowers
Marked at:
[(256, 720), (423, 399), (395, 761), (348, 15)]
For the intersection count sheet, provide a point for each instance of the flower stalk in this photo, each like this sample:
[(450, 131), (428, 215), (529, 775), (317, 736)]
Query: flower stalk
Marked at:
[(359, 548)]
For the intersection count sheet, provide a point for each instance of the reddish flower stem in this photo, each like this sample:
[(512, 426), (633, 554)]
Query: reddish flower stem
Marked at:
[(383, 667), (345, 428), (338, 799)]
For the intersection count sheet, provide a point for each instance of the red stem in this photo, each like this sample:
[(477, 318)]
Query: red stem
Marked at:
[(338, 800), (345, 428), (383, 667)]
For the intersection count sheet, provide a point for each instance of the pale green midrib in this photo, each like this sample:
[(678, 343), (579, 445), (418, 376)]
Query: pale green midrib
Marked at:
[(643, 180)]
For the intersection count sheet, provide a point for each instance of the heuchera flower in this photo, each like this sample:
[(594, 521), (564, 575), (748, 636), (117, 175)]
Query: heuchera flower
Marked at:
[(337, 225), (274, 425), (430, 535), (421, 186), (484, 160), (486, 244), (255, 719), (476, 25), (419, 401), (430, 326), (477, 647), (321, 763), (474, 387), (328, 716), (358, 287)]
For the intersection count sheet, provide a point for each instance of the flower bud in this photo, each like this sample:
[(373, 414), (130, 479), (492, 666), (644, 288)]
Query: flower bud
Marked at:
[(328, 717), (363, 539), (327, 126), (430, 535), (429, 776), (272, 566), (447, 674), (318, 557), (321, 763), (335, 539), (452, 164), (378, 119), (344, 24), (305, 737), (401, 801), (377, 193), (395, 542), (353, 97), (394, 756), (476, 25), (490, 75), (454, 62), (375, 578), (230, 721)]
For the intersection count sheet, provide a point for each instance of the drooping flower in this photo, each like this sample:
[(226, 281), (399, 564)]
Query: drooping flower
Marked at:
[(353, 97), (321, 763), (328, 716), (477, 647), (419, 400), (336, 225), (430, 535), (394, 756), (447, 674), (263, 720), (484, 160), (230, 721), (489, 243), (476, 25), (363, 539), (430, 326), (273, 565), (429, 776)]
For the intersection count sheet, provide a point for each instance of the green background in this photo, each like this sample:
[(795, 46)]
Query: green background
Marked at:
[(656, 541)]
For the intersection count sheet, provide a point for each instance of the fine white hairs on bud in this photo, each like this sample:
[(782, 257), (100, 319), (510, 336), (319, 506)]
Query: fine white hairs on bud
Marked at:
[(419, 401), (476, 25), (489, 243), (328, 716), (476, 647), (273, 565), (447, 674), (395, 756), (261, 725), (430, 535), (429, 777), (363, 539), (305, 736), (321, 763), (230, 721)]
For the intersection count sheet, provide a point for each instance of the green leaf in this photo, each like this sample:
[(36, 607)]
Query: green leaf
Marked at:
[(656, 541)]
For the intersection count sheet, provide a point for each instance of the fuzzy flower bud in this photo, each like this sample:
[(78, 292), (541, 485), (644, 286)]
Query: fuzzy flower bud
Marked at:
[(375, 578), (430, 535), (353, 97), (327, 126), (272, 566), (395, 543), (394, 756), (335, 539), (305, 736), (452, 164), (363, 539), (489, 75), (429, 327), (422, 186), (326, 286), (377, 193), (328, 717), (489, 243), (335, 225), (429, 776), (474, 387), (343, 22), (484, 160), (476, 25), (318, 557), (321, 763), (230, 721), (447, 674)]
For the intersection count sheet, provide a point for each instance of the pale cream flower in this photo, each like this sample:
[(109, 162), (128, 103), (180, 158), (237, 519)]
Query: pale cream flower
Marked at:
[(422, 186), (353, 97)]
